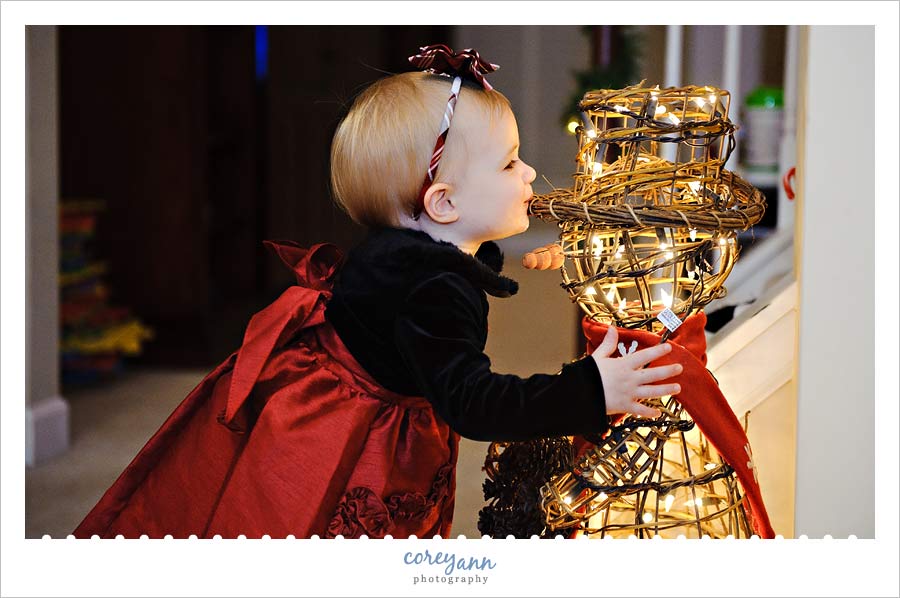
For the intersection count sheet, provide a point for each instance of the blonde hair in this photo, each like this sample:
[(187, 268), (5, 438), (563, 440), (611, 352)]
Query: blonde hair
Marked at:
[(381, 150)]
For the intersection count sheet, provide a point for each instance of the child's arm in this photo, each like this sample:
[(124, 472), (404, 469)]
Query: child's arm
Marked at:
[(442, 336), (624, 380)]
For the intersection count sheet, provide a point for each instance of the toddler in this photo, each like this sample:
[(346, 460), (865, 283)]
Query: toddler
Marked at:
[(342, 410)]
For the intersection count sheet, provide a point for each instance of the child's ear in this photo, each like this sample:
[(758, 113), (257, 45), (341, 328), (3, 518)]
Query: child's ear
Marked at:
[(438, 204)]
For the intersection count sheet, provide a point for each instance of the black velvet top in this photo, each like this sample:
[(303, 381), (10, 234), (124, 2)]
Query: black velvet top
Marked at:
[(413, 312)]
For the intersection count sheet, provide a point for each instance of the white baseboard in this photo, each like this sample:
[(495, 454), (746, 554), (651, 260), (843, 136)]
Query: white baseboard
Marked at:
[(46, 430)]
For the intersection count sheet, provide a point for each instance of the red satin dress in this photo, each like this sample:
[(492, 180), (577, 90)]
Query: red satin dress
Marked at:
[(289, 436)]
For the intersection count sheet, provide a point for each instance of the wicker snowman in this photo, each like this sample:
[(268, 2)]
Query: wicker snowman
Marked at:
[(649, 235)]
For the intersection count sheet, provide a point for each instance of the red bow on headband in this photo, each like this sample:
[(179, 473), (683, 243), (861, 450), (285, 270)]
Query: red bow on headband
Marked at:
[(441, 60)]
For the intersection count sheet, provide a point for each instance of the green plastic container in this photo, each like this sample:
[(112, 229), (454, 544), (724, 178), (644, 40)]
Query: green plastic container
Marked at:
[(763, 109), (765, 97)]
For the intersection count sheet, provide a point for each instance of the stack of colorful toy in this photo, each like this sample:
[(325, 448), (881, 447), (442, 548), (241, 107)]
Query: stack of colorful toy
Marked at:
[(95, 336)]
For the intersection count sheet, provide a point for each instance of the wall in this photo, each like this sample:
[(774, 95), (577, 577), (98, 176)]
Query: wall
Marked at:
[(46, 414), (835, 372)]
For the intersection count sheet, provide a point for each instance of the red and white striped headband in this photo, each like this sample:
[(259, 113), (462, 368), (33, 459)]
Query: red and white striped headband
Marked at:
[(441, 60)]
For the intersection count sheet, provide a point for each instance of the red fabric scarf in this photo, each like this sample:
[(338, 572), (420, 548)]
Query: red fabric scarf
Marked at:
[(703, 401)]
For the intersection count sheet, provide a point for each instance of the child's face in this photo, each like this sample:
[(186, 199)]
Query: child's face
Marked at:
[(493, 187)]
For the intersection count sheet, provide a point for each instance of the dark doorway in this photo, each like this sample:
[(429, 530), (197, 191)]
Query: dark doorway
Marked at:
[(199, 155)]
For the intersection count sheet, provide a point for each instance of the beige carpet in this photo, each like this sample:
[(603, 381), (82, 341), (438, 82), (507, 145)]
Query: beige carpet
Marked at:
[(111, 423)]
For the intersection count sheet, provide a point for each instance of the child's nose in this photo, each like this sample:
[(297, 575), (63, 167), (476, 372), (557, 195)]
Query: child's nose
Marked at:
[(530, 173)]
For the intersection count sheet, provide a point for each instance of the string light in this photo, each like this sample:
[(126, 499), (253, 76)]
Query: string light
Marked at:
[(588, 126), (669, 255), (666, 298), (669, 500)]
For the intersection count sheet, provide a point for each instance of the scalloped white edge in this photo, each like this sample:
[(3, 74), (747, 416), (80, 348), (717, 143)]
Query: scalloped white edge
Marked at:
[(558, 537)]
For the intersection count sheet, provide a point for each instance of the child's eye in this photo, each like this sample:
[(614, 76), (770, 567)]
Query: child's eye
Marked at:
[(512, 164)]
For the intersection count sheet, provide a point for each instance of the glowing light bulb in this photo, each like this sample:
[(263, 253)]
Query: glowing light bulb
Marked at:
[(622, 305), (590, 291), (597, 244), (693, 234), (611, 295), (572, 126), (596, 169), (722, 242), (619, 250), (712, 98), (690, 274), (709, 466), (669, 500), (602, 496), (700, 102), (660, 110), (648, 517), (618, 108), (588, 125), (666, 298), (663, 246), (567, 500), (669, 255)]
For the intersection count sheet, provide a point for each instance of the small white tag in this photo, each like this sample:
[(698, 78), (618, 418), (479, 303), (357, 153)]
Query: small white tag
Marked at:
[(669, 319)]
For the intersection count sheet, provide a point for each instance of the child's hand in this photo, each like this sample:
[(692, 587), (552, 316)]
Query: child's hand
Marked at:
[(544, 258), (625, 380)]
